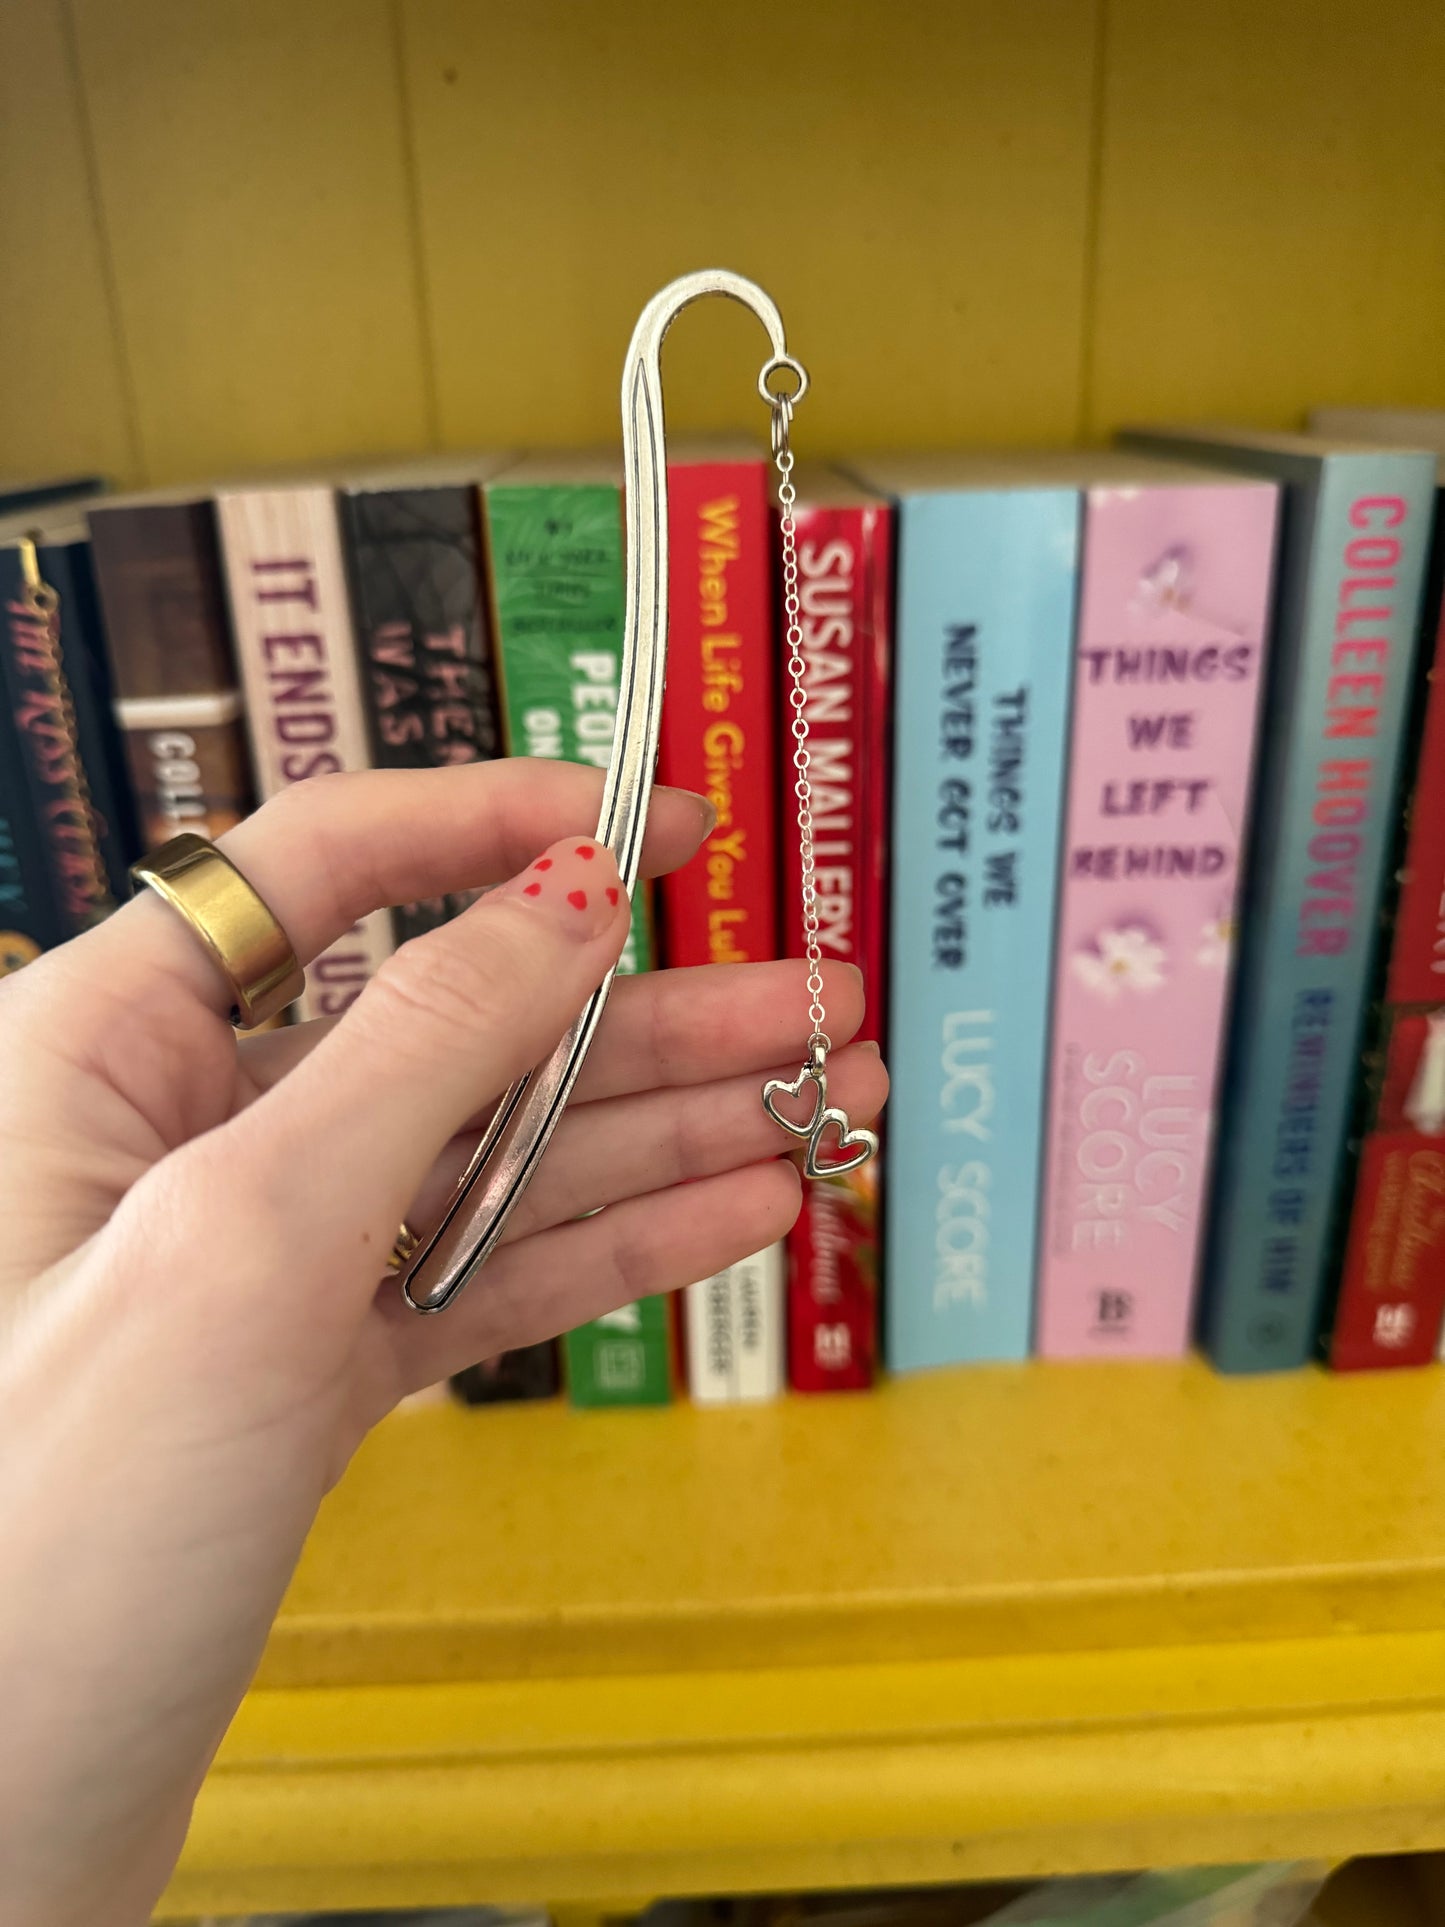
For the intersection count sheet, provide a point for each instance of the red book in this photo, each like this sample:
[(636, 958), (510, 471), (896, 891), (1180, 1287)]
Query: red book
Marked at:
[(1392, 1287), (718, 732), (845, 541), (719, 737)]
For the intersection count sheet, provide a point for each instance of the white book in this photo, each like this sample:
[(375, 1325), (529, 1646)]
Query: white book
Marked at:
[(735, 1332), (301, 673)]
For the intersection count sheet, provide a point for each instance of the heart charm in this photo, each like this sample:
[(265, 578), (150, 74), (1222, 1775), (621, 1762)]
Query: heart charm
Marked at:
[(780, 1087), (865, 1141)]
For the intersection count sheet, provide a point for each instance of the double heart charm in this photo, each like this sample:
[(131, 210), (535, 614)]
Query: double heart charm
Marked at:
[(822, 1118)]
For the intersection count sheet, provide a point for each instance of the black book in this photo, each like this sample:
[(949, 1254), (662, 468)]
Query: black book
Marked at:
[(19, 492), (68, 767), (29, 912), (414, 555), (529, 1372)]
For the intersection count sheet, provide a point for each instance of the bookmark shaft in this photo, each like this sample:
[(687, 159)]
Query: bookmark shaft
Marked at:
[(507, 1157)]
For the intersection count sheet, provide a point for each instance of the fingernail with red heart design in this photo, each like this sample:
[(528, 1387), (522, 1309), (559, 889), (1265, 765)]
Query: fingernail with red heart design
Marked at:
[(575, 882)]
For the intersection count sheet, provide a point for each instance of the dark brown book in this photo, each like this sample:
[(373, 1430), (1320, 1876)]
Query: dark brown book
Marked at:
[(529, 1372), (173, 667)]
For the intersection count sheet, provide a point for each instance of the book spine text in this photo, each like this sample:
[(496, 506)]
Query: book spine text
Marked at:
[(718, 733), (986, 591), (845, 594), (305, 708), (1352, 558), (1174, 604), (421, 627)]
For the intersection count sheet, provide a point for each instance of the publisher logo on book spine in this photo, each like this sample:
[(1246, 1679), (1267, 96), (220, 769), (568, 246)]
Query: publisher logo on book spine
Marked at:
[(1113, 1313), (1394, 1326)]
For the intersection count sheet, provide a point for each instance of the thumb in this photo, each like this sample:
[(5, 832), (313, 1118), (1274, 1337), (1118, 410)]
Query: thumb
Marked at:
[(448, 1022)]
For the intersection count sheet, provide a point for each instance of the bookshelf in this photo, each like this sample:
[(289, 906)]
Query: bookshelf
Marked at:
[(1001, 1622), (985, 1623)]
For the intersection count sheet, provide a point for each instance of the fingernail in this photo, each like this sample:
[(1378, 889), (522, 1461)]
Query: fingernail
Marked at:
[(704, 808), (868, 1043), (575, 884)]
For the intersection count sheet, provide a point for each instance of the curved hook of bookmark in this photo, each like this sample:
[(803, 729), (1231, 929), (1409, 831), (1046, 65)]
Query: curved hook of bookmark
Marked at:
[(509, 1152)]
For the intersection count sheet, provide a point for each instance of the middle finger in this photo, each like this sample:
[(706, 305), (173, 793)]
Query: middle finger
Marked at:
[(663, 1028)]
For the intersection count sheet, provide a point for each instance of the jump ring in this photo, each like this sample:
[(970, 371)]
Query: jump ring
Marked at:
[(783, 364)]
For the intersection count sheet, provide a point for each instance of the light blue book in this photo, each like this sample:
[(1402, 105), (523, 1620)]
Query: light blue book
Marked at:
[(1354, 534), (987, 566)]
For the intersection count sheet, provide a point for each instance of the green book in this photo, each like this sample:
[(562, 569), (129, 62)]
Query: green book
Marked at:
[(624, 1358), (554, 541)]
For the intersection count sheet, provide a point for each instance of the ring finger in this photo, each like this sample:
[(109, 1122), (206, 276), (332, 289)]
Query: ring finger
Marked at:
[(622, 1147)]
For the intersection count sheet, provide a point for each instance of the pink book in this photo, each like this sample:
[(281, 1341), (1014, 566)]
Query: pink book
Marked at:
[(1172, 618)]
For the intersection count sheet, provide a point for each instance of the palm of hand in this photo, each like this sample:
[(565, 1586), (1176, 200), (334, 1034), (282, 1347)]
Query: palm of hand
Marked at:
[(195, 1330)]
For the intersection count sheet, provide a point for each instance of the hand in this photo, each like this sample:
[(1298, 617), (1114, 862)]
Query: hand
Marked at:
[(195, 1324)]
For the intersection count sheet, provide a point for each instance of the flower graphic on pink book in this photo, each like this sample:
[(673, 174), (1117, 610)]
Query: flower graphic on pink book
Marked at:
[(1168, 588), (1119, 960), (1216, 940)]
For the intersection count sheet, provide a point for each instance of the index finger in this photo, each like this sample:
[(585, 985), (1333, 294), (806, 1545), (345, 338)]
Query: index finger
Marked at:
[(333, 849)]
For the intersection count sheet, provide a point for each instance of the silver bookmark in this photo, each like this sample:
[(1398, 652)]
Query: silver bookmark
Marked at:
[(437, 1266)]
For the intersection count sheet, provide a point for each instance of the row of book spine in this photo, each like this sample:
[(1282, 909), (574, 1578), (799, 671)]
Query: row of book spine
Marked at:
[(262, 634), (1158, 892), (1149, 889)]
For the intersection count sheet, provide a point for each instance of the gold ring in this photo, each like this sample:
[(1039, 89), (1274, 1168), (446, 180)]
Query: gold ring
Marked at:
[(404, 1249), (231, 920)]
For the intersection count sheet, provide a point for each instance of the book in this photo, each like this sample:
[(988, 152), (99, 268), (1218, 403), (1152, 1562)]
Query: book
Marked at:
[(845, 589), (1354, 529), (305, 706), (176, 695), (25, 492), (67, 773), (554, 542), (29, 912), (622, 1358), (554, 549), (733, 1331), (530, 1371), (414, 558), (718, 737), (987, 553), (1174, 601), (1390, 1309)]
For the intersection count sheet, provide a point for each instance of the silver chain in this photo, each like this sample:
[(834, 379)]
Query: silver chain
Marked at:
[(855, 1147), (819, 1042)]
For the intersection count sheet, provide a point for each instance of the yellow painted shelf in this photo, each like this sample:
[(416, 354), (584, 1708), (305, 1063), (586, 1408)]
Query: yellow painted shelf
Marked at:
[(986, 1623)]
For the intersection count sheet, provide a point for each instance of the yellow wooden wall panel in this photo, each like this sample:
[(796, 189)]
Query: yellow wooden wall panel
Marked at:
[(255, 190), (62, 400), (910, 182), (1272, 209), (308, 209)]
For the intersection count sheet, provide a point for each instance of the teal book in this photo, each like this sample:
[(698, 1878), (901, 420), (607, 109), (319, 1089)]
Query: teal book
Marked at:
[(1354, 533), (987, 566)]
